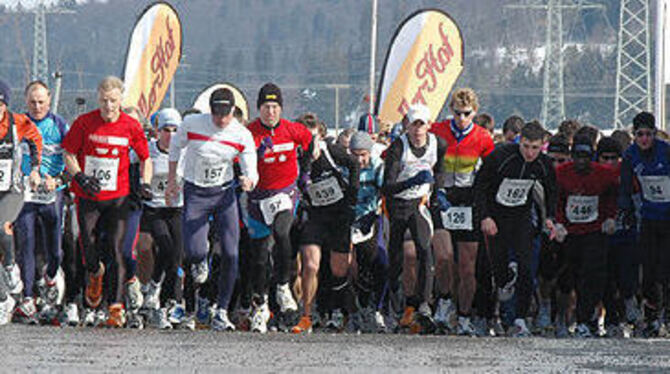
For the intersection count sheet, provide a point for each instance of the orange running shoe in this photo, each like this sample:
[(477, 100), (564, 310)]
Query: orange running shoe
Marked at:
[(117, 316), (407, 317), (304, 326), (94, 287)]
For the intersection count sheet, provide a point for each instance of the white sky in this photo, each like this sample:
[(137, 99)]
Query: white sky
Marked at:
[(31, 3)]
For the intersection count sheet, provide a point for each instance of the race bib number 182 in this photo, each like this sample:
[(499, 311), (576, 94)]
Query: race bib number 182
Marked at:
[(514, 192)]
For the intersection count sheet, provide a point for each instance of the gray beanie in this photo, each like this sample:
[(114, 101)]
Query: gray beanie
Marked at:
[(361, 140)]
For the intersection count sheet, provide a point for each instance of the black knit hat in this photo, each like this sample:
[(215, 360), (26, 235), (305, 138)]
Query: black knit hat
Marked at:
[(644, 119), (608, 145), (269, 92)]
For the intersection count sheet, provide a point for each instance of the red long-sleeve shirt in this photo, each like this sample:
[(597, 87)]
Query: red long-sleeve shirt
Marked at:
[(577, 194)]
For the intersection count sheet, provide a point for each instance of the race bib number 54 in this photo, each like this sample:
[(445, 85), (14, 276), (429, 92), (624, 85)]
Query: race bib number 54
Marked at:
[(656, 188), (106, 170)]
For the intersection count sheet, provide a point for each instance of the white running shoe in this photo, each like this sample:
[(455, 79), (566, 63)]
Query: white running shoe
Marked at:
[(89, 317), (26, 311), (6, 310), (285, 299), (260, 318), (379, 322), (159, 320), (519, 329), (15, 282), (152, 299), (220, 322), (134, 297), (444, 312), (71, 314), (54, 289)]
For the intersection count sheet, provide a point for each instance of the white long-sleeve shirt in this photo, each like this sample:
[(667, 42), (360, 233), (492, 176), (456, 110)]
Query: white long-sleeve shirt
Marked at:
[(211, 151)]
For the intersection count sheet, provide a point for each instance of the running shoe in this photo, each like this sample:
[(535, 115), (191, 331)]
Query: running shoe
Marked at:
[(562, 331), (134, 297), (243, 319), (26, 312), (72, 314), (135, 320), (335, 321), (117, 316), (519, 329), (304, 326), (465, 327), (189, 322), (152, 296), (259, 318), (200, 272), (615, 331), (496, 327), (54, 289), (15, 283), (481, 327), (507, 291), (285, 300), (89, 317), (220, 322), (158, 319), (407, 317), (6, 310), (444, 312), (380, 324), (93, 293), (583, 331), (655, 329), (176, 312)]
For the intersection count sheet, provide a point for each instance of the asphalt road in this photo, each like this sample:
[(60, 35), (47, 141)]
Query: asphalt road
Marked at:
[(54, 349)]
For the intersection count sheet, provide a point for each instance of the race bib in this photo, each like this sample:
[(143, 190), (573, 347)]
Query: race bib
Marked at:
[(655, 188), (325, 192), (5, 175), (271, 206), (514, 192), (209, 172), (457, 218), (41, 196), (106, 170), (582, 209)]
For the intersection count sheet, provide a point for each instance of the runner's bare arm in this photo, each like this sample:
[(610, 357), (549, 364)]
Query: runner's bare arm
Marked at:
[(146, 170), (71, 163)]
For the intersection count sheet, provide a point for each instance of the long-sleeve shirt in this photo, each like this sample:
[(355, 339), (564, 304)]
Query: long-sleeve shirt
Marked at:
[(211, 151)]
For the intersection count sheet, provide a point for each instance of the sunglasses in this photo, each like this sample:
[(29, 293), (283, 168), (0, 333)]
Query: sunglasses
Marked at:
[(169, 129), (466, 113), (642, 133), (609, 158), (560, 160)]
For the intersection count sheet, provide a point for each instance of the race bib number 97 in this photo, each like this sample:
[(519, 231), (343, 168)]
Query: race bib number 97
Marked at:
[(582, 209), (514, 192), (106, 170), (271, 206), (656, 188), (5, 175)]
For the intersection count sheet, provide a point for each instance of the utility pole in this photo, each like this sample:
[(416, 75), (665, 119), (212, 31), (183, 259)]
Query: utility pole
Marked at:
[(633, 78), (553, 96), (337, 103)]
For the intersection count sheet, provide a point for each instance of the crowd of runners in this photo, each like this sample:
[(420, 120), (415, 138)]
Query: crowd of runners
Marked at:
[(202, 220)]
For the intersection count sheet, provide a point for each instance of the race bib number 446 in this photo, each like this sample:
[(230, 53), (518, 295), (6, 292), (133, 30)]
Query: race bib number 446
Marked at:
[(582, 209), (106, 170), (655, 188), (514, 192)]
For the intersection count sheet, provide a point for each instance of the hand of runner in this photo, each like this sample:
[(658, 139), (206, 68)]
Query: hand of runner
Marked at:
[(89, 184), (246, 184), (171, 191), (609, 226), (145, 192), (442, 200), (35, 179), (489, 227), (559, 232), (266, 144), (549, 224), (50, 183)]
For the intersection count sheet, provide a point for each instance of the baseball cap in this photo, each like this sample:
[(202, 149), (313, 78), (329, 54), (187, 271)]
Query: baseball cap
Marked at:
[(418, 112), (221, 102), (168, 117)]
